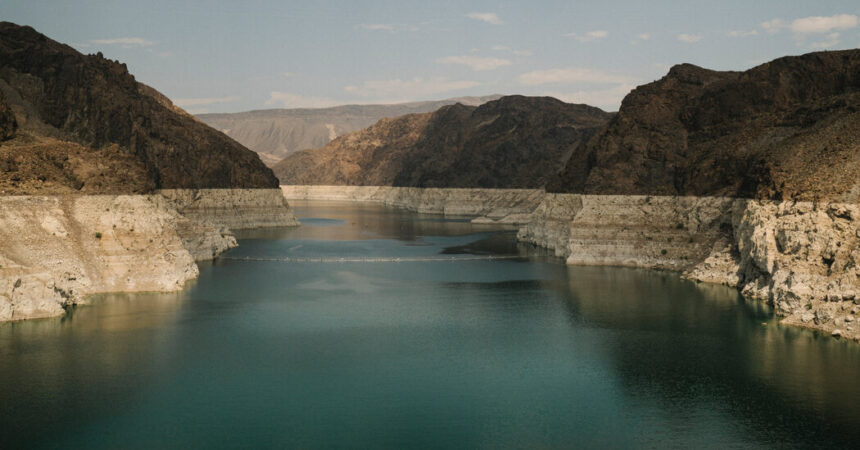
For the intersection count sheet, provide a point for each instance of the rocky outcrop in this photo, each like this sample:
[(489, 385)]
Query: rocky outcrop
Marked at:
[(509, 206), (801, 257), (514, 142), (275, 133), (54, 250), (119, 126), (639, 231), (785, 130)]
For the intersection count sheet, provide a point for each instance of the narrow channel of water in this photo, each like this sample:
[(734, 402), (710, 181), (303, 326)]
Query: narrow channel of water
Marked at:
[(283, 345)]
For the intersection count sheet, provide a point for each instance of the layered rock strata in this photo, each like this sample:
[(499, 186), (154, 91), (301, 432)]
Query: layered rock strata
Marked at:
[(801, 257), (54, 250), (509, 206), (233, 208)]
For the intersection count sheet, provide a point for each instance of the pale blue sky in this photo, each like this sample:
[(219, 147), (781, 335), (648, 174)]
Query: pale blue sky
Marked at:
[(226, 56)]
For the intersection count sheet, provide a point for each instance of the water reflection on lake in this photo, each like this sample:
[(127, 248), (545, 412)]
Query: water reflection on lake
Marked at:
[(479, 353)]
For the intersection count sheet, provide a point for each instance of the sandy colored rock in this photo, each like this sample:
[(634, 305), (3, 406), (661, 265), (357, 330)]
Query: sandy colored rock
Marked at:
[(57, 249), (507, 206), (233, 208), (800, 257)]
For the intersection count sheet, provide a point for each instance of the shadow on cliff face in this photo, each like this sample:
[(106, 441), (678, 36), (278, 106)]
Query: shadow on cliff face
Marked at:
[(702, 341)]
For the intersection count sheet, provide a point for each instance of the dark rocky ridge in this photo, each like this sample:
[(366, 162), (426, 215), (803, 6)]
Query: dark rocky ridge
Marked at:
[(8, 124), (513, 142), (787, 129), (121, 133)]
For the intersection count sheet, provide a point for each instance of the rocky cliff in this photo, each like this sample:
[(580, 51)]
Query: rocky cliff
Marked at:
[(787, 129), (275, 133), (73, 125), (513, 142), (85, 124), (801, 257), (750, 179), (57, 249)]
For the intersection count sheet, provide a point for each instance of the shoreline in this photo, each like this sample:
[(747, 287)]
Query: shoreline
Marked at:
[(800, 257)]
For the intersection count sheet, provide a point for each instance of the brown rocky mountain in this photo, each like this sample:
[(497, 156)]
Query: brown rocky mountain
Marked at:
[(787, 129), (85, 125), (275, 133), (513, 142)]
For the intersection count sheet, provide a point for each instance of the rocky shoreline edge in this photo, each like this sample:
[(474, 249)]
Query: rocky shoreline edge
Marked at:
[(803, 258), (57, 249)]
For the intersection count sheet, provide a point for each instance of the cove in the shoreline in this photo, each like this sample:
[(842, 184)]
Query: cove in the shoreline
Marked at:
[(492, 353)]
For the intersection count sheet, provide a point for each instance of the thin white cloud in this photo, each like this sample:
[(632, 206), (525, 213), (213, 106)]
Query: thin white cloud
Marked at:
[(831, 40), (640, 38), (741, 33), (288, 100), (390, 27), (487, 17), (376, 26), (202, 101), (504, 48), (398, 90), (608, 99), (813, 24), (571, 75), (773, 26), (589, 36), (475, 62), (689, 38), (124, 41), (819, 24)]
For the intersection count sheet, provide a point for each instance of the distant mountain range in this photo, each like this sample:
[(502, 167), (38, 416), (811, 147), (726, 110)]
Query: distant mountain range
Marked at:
[(512, 142), (275, 133)]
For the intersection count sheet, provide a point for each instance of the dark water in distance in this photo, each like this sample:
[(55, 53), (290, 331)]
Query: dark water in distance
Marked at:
[(488, 353)]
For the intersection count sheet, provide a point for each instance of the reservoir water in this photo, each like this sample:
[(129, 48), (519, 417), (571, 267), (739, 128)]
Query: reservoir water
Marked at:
[(374, 327)]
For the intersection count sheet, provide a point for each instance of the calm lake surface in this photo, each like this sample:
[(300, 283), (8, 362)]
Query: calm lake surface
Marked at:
[(476, 353)]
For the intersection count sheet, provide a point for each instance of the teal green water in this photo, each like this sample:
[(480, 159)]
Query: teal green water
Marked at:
[(426, 354)]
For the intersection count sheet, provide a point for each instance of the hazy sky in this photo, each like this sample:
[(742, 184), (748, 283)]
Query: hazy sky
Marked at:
[(225, 56)]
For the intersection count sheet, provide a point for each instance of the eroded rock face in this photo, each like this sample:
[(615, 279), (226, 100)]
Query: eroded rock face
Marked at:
[(787, 129), (108, 123), (55, 250), (514, 142), (801, 257)]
